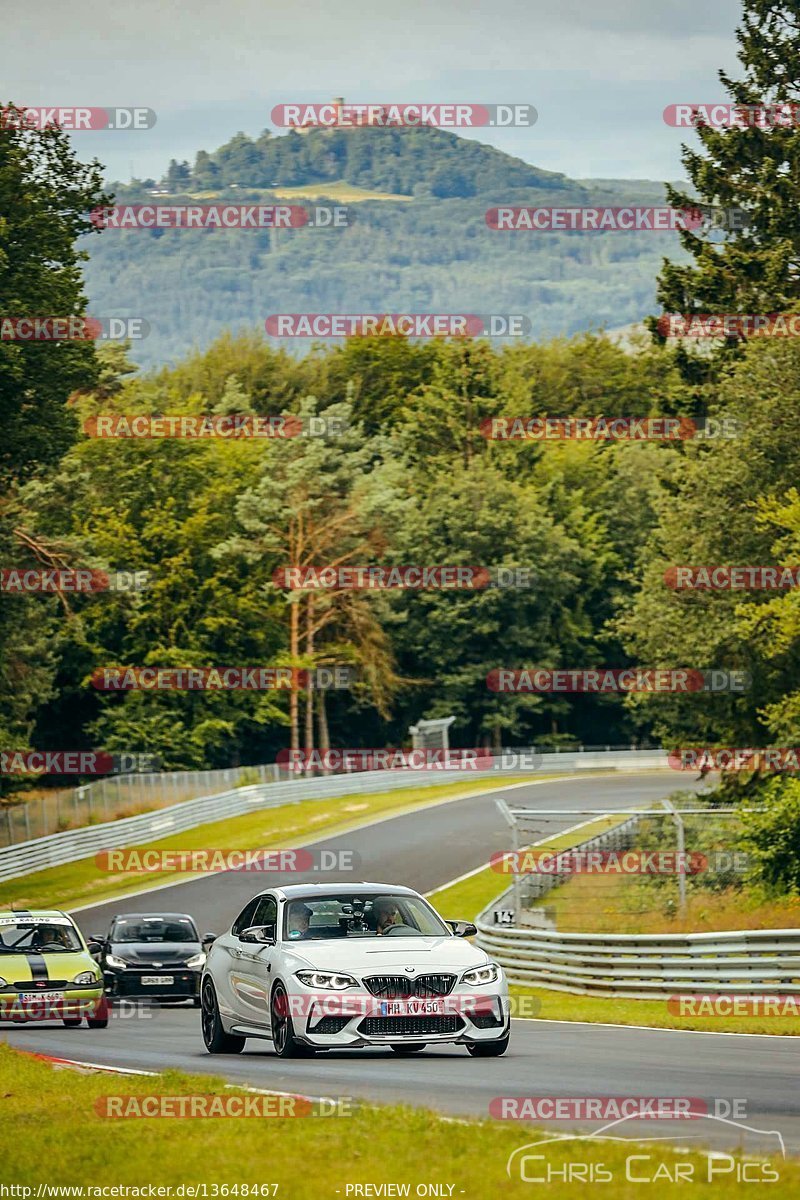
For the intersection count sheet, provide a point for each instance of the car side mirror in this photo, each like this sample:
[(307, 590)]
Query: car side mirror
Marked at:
[(208, 938), (262, 934), (94, 947), (463, 928)]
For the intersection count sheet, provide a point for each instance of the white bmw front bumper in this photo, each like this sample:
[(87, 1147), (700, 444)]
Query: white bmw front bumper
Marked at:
[(358, 1017)]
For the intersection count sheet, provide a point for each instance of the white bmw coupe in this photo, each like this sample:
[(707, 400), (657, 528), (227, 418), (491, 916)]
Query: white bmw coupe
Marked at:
[(329, 966)]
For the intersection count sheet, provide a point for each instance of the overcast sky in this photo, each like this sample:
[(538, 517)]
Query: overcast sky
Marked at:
[(599, 72)]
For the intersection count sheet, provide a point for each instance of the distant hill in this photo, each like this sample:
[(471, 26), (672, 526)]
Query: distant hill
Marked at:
[(419, 241)]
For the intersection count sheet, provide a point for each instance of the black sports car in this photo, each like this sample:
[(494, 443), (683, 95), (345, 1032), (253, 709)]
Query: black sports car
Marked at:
[(160, 955)]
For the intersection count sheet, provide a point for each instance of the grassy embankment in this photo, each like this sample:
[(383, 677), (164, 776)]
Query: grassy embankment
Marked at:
[(313, 1158)]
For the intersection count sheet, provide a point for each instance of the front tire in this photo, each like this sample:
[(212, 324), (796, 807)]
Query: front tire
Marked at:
[(100, 1018), (217, 1041), (283, 1040), (489, 1049)]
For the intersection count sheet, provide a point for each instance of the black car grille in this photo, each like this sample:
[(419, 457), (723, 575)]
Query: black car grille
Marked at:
[(486, 1020), (40, 985), (394, 987), (330, 1025), (140, 964), (397, 1026)]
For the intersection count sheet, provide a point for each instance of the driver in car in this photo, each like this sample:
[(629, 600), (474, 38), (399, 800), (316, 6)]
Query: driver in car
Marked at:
[(386, 914), (50, 935), (298, 920)]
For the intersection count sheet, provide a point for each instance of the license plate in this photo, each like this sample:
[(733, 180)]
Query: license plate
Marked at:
[(156, 980), (38, 997), (411, 1008)]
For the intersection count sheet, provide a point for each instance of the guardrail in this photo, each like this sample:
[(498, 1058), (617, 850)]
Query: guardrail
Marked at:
[(113, 797), (56, 849), (59, 848), (637, 965)]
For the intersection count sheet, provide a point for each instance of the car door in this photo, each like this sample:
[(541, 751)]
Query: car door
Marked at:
[(223, 962), (251, 969)]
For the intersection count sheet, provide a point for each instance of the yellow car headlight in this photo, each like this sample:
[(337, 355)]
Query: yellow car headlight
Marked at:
[(86, 979)]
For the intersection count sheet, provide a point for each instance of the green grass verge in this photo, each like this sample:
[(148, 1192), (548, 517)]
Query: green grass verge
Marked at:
[(466, 899), (612, 1010), (314, 1158), (82, 882)]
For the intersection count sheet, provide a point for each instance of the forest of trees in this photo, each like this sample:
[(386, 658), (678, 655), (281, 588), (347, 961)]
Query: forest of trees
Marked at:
[(412, 480)]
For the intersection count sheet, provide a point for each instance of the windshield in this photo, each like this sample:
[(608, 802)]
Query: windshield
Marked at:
[(55, 935), (377, 914), (153, 929)]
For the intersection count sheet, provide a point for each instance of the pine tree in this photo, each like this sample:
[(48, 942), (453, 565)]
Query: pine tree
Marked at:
[(755, 169)]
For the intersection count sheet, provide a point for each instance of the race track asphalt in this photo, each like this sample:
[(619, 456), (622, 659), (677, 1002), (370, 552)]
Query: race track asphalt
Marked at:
[(425, 849)]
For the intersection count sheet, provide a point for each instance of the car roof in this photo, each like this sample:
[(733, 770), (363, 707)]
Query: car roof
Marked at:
[(309, 890), (153, 916), (38, 914)]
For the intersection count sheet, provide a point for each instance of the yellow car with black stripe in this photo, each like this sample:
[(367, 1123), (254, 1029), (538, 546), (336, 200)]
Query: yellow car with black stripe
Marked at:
[(47, 972)]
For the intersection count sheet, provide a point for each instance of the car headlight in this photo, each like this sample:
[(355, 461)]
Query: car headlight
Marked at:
[(335, 982), (488, 974), (197, 960), (86, 978), (119, 964)]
